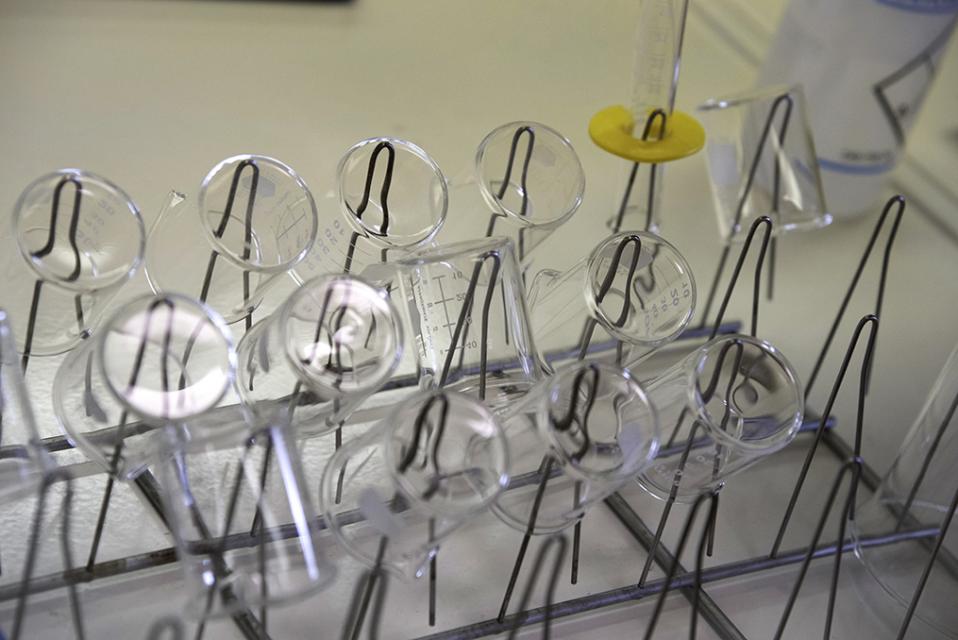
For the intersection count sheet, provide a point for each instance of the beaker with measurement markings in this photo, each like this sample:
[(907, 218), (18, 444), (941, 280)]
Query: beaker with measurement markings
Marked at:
[(466, 312), (390, 199), (526, 182), (75, 240), (254, 220), (634, 288)]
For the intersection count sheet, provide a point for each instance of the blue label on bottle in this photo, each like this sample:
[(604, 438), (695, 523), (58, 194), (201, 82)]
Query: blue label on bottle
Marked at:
[(922, 6)]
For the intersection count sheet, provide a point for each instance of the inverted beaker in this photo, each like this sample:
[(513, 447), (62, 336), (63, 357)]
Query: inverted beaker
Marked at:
[(574, 439), (75, 239), (722, 408), (253, 221), (413, 479)]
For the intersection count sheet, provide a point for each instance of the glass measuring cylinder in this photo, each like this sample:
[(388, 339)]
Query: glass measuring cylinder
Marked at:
[(253, 221), (917, 492), (212, 498), (658, 51), (527, 181), (23, 461), (634, 287), (374, 220), (585, 432), (414, 479), (465, 309), (762, 162), (159, 365), (335, 341), (725, 406), (76, 239)]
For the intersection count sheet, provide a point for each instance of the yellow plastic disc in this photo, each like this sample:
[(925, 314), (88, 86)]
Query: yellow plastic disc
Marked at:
[(612, 127)]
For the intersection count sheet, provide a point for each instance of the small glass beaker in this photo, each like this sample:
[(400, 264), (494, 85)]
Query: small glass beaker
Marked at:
[(412, 480), (584, 432), (724, 407), (917, 492), (159, 363), (76, 239), (465, 309), (634, 287), (762, 162), (526, 182), (335, 341), (373, 221), (253, 221)]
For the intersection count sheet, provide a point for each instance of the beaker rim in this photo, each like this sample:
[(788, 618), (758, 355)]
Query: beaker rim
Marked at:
[(361, 288), (78, 285), (374, 234), (208, 315), (223, 249), (410, 408), (650, 443), (493, 202), (786, 430), (677, 260)]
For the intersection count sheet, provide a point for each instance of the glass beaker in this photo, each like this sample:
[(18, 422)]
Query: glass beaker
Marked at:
[(725, 406), (526, 182), (465, 309), (762, 162), (159, 363), (253, 221), (374, 221), (413, 479), (76, 239), (23, 461), (634, 287), (584, 432), (917, 492), (335, 341)]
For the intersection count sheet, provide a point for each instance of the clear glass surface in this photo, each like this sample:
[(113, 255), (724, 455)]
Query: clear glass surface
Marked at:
[(254, 220), (466, 312), (232, 513), (149, 381), (81, 237), (722, 408), (408, 483), (335, 341), (916, 492), (759, 146), (591, 428), (391, 198), (528, 180), (634, 287), (23, 461)]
